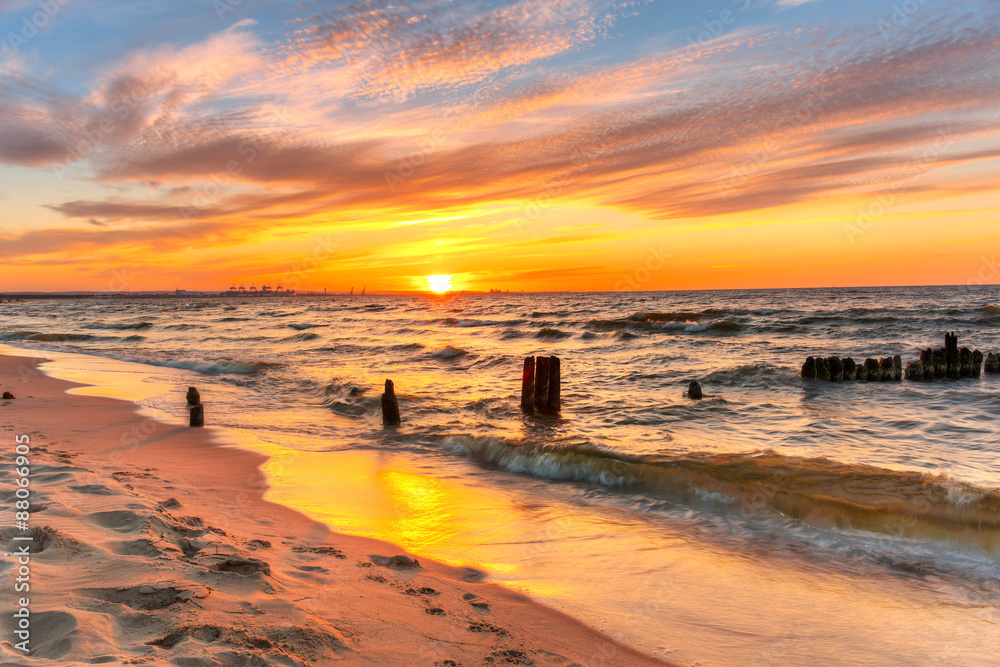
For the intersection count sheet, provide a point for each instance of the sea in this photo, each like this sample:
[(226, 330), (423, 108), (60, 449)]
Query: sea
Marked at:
[(777, 521)]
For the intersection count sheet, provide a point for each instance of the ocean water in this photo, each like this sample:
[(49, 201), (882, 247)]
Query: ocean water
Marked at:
[(777, 521)]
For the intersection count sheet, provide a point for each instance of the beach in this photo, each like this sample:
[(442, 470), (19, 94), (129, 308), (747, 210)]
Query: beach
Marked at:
[(152, 543), (777, 521)]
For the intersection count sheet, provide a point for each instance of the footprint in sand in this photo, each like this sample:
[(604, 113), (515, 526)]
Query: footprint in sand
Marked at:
[(145, 597), (482, 626), (398, 562), (122, 521), (477, 602), (93, 489), (140, 547), (52, 633)]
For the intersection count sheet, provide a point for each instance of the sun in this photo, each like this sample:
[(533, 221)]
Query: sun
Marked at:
[(439, 284)]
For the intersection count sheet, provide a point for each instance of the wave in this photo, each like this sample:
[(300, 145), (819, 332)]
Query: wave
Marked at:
[(300, 327), (47, 337), (184, 327), (671, 317), (235, 319), (552, 334), (276, 313), (133, 339), (449, 352), (223, 366), (665, 323), (302, 337), (133, 326), (468, 323), (759, 375), (407, 347), (346, 398), (817, 491)]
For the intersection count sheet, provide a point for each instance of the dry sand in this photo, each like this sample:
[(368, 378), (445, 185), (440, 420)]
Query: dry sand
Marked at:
[(153, 545)]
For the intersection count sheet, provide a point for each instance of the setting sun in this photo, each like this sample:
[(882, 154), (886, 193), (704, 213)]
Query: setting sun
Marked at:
[(439, 284)]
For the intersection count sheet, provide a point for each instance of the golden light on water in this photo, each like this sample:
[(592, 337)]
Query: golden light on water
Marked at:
[(439, 284)]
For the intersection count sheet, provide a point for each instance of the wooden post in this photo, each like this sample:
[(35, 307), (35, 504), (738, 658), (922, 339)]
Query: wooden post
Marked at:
[(197, 415), (555, 389), (528, 385), (836, 369), (197, 410), (965, 360), (886, 367), (915, 371), (927, 363), (850, 370), (390, 406), (977, 364), (694, 390), (542, 376), (992, 363), (809, 369)]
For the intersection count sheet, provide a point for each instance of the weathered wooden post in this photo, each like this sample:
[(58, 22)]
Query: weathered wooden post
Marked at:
[(965, 362), (897, 368), (850, 370), (528, 385), (694, 390), (886, 369), (836, 369), (940, 364), (541, 384), (196, 409), (809, 369), (927, 361), (872, 370), (977, 364), (197, 415), (390, 406), (822, 369), (992, 363), (554, 401), (915, 371)]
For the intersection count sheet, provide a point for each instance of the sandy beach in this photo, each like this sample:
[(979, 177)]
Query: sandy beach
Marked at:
[(152, 544)]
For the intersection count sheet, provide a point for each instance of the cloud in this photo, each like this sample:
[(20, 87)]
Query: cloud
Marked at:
[(732, 127), (399, 50), (136, 103)]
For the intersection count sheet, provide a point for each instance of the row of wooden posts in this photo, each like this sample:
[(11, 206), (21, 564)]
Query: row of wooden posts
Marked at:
[(947, 362), (541, 377)]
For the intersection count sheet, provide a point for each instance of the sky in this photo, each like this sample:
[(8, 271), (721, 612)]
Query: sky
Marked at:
[(524, 145)]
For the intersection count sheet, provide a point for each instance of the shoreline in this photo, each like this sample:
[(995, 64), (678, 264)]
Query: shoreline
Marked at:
[(156, 545)]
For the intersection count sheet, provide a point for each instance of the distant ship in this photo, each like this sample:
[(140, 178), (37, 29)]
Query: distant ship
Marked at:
[(253, 291)]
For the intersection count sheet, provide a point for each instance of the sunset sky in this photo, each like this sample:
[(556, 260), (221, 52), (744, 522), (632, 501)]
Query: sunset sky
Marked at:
[(536, 144)]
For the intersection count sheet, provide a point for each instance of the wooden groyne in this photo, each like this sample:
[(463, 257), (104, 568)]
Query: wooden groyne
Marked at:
[(948, 362)]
